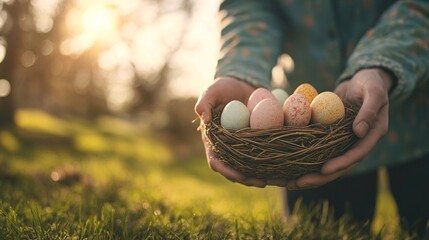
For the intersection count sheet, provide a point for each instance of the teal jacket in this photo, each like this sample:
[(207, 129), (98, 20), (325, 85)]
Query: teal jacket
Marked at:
[(329, 41)]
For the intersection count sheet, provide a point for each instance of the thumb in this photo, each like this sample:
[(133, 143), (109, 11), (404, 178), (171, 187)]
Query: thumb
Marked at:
[(203, 107), (367, 114)]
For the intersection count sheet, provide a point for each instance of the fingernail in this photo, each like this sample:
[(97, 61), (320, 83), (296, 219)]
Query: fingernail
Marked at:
[(362, 129)]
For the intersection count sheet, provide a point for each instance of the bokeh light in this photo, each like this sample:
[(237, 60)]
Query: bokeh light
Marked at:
[(3, 50), (5, 88), (100, 22), (28, 58)]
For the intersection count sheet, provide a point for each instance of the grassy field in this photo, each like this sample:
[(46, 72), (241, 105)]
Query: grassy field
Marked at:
[(109, 179)]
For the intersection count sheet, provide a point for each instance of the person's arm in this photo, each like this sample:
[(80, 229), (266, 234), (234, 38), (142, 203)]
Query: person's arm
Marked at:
[(251, 37), (399, 44), (389, 62), (251, 43)]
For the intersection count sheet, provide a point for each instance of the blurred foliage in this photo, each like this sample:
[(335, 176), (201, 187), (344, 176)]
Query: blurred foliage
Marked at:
[(88, 58)]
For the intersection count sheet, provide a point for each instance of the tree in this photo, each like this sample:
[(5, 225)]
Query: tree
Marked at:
[(11, 34), (56, 66)]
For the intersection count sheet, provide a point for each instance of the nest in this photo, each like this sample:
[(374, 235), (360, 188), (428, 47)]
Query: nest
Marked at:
[(281, 153)]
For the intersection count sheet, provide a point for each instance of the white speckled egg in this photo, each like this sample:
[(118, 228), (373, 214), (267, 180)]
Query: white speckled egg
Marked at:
[(280, 94), (297, 111), (258, 95), (327, 108), (267, 114), (235, 115)]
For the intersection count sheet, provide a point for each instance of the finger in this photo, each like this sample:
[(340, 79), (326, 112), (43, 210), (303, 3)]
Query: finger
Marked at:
[(232, 175), (276, 182), (254, 182), (235, 176), (229, 173), (204, 105), (341, 90), (356, 153), (316, 180), (372, 104)]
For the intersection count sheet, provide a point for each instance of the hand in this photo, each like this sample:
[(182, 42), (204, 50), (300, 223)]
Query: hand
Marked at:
[(369, 89), (214, 98)]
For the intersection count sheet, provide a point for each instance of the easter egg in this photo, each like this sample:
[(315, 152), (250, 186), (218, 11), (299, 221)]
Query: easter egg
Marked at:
[(280, 94), (258, 95), (306, 90), (297, 111), (327, 108), (235, 115), (267, 114)]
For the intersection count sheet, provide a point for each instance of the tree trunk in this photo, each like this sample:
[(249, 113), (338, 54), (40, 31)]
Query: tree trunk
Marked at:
[(7, 111), (8, 66)]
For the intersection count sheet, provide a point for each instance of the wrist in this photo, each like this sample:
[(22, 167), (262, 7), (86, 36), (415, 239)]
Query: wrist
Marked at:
[(388, 79)]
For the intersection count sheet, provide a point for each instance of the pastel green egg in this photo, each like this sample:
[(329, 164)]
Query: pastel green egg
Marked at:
[(235, 116), (280, 94)]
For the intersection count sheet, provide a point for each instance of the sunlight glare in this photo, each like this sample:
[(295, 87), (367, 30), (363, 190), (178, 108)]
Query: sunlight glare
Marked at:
[(44, 13), (99, 21), (76, 45)]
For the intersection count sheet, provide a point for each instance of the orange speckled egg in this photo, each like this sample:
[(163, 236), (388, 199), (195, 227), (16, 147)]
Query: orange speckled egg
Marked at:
[(258, 95), (297, 111), (307, 90), (267, 114), (327, 108)]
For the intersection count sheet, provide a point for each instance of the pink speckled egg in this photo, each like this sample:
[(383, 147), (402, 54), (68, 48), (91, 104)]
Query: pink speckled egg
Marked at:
[(267, 114), (297, 111), (258, 95), (327, 108)]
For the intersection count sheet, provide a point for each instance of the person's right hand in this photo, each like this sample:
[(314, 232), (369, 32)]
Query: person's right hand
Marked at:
[(213, 99), (218, 94)]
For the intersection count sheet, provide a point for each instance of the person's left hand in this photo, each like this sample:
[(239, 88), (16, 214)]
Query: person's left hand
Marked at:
[(369, 89)]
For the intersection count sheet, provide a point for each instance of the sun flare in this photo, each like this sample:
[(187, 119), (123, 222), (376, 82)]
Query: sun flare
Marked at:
[(99, 21)]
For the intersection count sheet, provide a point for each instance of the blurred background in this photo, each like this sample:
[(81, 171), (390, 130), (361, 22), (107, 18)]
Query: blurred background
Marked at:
[(145, 61), (88, 58), (97, 97)]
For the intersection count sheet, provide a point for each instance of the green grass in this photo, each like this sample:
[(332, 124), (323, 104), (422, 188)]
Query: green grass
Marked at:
[(112, 180)]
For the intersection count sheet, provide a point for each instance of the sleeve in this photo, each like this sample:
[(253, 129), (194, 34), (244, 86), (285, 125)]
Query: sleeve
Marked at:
[(399, 43), (251, 39)]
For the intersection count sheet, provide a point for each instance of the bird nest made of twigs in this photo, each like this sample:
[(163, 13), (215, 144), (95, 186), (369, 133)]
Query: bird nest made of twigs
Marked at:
[(280, 153)]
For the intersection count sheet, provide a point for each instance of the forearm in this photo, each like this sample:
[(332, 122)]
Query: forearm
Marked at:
[(251, 41), (399, 44)]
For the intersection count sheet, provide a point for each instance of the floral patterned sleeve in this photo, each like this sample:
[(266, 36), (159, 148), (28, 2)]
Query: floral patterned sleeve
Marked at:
[(251, 40), (398, 43)]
